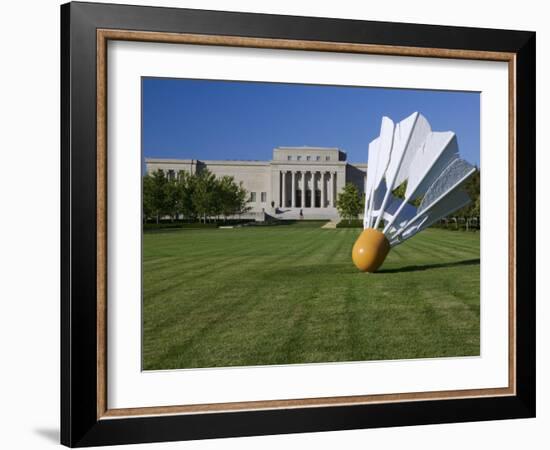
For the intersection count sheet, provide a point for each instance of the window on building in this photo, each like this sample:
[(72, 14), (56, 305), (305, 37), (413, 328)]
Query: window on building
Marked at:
[(289, 157), (263, 197), (252, 197), (308, 158), (327, 158), (317, 158), (298, 157)]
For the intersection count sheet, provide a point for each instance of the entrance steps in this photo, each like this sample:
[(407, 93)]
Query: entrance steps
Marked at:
[(332, 224), (307, 214)]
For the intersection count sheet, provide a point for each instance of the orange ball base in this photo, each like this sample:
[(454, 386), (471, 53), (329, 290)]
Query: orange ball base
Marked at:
[(370, 250)]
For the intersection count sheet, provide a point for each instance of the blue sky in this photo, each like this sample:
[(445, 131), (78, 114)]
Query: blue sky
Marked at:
[(205, 119)]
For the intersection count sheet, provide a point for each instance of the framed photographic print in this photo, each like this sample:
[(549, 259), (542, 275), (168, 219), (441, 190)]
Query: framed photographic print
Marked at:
[(276, 224)]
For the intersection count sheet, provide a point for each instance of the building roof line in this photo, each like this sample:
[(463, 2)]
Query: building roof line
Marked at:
[(205, 161), (308, 147), (252, 162)]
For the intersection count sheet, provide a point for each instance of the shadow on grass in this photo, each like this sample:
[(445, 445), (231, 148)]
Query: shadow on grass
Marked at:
[(467, 262)]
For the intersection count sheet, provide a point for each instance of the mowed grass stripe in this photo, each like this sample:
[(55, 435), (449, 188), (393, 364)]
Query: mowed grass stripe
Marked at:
[(426, 247), (290, 294)]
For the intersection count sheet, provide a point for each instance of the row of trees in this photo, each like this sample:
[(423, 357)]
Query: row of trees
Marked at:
[(472, 187), (350, 202), (192, 196)]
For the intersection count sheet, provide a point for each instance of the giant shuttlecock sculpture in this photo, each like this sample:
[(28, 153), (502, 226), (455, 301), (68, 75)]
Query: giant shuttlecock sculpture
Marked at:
[(426, 164)]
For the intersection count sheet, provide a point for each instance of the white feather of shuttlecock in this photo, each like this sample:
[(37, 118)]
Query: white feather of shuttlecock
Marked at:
[(430, 164)]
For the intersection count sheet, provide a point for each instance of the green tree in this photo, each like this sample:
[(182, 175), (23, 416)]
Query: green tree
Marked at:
[(227, 196), (148, 202), (192, 195), (350, 203), (472, 187), (218, 198), (204, 194), (231, 198), (172, 198), (186, 189), (241, 200), (399, 192), (154, 194)]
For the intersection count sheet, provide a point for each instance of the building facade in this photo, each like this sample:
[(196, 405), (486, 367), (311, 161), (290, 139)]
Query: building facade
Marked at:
[(299, 182)]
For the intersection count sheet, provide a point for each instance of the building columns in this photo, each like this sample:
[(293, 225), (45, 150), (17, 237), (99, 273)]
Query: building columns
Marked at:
[(283, 189), (303, 202), (334, 190), (328, 190), (314, 190), (331, 188), (293, 193), (326, 181), (323, 200)]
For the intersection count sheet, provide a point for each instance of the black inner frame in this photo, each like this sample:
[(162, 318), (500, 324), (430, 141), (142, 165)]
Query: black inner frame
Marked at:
[(79, 424)]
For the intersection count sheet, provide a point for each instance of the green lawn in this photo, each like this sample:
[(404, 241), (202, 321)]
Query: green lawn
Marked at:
[(290, 294)]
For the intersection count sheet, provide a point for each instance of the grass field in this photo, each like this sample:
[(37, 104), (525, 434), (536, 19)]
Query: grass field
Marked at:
[(290, 294)]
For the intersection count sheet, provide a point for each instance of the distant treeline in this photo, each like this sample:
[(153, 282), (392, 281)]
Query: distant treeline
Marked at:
[(202, 195), (472, 187), (192, 196), (350, 201)]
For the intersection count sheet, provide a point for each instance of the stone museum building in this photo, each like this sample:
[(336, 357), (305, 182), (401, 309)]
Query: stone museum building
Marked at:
[(297, 182)]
